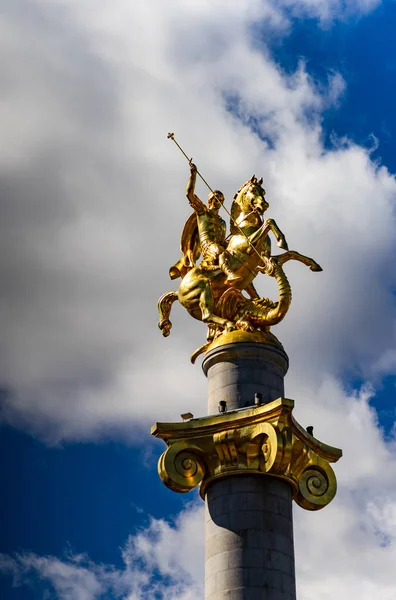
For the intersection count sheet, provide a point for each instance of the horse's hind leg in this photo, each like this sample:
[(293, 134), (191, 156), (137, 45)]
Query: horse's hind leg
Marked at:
[(164, 309), (293, 255), (206, 305)]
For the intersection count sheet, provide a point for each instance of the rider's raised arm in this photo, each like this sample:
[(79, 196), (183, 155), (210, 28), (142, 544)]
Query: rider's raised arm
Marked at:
[(194, 201)]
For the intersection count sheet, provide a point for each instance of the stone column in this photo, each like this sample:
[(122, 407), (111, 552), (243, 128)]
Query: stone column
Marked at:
[(249, 463), (236, 372), (249, 528)]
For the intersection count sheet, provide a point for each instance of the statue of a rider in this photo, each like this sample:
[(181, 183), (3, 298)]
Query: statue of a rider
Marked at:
[(204, 234), (220, 291)]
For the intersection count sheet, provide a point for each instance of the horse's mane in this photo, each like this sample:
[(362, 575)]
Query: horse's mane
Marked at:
[(241, 204)]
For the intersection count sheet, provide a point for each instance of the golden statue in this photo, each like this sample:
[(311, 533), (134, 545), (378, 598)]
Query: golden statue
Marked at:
[(212, 290)]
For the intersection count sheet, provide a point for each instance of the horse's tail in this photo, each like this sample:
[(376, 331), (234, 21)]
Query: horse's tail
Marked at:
[(164, 309)]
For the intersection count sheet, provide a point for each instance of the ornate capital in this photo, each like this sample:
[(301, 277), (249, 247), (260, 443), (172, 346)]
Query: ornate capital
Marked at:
[(264, 440)]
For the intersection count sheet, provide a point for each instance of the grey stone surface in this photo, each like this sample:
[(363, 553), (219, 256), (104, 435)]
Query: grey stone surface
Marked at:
[(249, 527), (236, 372), (249, 539)]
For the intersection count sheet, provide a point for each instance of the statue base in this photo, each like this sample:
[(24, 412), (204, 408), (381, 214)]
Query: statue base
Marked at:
[(239, 336)]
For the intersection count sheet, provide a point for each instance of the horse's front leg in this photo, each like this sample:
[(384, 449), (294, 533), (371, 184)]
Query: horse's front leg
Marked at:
[(280, 238), (261, 232)]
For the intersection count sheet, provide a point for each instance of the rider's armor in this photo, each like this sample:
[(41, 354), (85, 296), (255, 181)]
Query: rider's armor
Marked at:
[(212, 233), (212, 236)]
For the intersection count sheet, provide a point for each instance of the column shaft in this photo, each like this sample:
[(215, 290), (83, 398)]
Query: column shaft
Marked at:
[(249, 526), (249, 539), (236, 372)]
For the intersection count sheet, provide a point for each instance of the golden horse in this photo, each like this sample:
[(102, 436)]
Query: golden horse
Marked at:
[(207, 294)]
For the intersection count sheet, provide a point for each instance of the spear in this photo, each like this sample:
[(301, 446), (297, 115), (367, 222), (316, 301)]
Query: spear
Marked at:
[(171, 136)]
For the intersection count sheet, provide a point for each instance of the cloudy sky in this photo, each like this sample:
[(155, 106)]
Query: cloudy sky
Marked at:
[(92, 200)]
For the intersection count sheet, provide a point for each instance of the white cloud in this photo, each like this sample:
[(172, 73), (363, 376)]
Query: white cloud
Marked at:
[(93, 198), (69, 580), (164, 561), (94, 204)]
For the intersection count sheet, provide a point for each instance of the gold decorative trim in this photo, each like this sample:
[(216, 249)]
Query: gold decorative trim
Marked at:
[(238, 336), (264, 440)]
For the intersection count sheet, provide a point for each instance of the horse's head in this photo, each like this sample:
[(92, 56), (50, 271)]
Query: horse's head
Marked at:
[(251, 197), (249, 205)]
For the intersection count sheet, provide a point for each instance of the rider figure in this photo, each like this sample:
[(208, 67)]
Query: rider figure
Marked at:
[(211, 227)]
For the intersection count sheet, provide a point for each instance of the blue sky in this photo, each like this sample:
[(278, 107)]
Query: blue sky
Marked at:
[(363, 51), (302, 93)]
